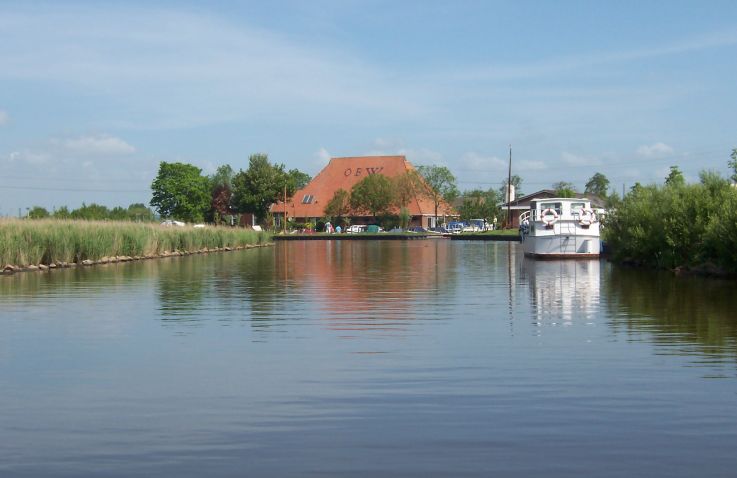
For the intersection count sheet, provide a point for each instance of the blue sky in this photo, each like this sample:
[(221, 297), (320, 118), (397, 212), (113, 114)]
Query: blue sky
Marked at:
[(93, 95)]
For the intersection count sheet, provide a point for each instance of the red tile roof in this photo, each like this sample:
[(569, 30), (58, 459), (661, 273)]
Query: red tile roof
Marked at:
[(344, 173)]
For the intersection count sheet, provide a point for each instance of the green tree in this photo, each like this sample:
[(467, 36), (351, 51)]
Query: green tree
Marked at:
[(516, 182), (374, 194), (733, 164), (139, 212), (223, 177), (298, 179), (479, 204), (440, 185), (93, 212), (62, 213), (260, 186), (38, 212), (597, 185), (564, 189), (406, 187), (180, 191), (339, 205), (118, 213), (675, 178)]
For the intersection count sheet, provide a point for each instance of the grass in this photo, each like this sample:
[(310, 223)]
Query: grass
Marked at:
[(24, 242)]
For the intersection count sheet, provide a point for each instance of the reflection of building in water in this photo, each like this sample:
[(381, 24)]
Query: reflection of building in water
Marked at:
[(366, 285), (563, 290)]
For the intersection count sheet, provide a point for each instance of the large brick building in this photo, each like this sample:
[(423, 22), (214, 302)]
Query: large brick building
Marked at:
[(308, 204)]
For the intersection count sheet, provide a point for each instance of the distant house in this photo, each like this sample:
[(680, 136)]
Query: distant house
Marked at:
[(522, 204), (308, 204)]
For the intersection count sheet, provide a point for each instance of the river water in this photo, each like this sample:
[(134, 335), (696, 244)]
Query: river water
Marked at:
[(412, 359)]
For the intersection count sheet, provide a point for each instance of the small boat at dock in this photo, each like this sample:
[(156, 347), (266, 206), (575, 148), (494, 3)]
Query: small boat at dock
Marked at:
[(560, 228)]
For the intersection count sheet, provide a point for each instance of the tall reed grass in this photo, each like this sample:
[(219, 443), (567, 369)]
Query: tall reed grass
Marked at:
[(24, 242)]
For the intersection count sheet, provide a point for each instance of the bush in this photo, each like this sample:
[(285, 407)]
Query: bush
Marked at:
[(677, 225)]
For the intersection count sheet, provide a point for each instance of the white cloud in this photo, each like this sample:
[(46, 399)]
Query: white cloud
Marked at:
[(563, 64), (29, 157), (387, 144), (530, 165), (656, 150), (179, 68), (4, 118), (322, 157), (395, 147), (422, 156), (579, 160), (100, 145), (479, 162)]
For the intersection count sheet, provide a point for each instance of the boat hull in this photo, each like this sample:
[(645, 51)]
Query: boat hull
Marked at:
[(561, 256), (557, 246)]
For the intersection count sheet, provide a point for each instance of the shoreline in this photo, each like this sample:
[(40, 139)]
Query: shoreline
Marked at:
[(349, 237), (395, 237), (11, 269), (707, 271)]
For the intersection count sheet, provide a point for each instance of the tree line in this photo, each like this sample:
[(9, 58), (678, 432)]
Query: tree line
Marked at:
[(181, 191), (95, 212)]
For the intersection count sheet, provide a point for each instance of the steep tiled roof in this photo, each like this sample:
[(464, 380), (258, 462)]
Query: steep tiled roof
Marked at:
[(344, 173)]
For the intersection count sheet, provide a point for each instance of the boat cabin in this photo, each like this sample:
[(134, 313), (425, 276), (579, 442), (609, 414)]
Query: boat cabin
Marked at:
[(564, 208)]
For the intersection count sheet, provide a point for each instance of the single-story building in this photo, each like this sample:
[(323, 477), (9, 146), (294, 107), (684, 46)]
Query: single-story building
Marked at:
[(308, 204), (522, 204)]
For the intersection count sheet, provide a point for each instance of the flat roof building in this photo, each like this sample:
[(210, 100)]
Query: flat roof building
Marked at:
[(308, 203)]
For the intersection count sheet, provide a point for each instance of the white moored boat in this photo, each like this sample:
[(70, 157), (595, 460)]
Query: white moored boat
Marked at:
[(558, 228)]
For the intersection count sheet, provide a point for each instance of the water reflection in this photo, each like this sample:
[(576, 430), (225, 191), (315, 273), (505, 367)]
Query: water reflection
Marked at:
[(355, 286), (562, 291), (427, 358), (681, 315)]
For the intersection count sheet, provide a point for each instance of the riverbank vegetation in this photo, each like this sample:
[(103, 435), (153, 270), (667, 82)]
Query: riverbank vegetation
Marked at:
[(50, 241), (180, 191), (95, 212), (677, 225)]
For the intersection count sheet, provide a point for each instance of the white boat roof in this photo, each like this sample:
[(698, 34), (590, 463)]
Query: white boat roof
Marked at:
[(560, 200)]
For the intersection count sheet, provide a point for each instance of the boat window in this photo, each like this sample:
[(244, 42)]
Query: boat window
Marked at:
[(557, 206), (577, 206)]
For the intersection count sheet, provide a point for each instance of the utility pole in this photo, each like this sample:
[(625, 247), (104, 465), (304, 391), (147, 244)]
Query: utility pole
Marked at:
[(509, 190), (285, 208)]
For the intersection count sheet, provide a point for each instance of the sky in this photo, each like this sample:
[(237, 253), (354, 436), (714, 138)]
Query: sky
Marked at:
[(94, 95)]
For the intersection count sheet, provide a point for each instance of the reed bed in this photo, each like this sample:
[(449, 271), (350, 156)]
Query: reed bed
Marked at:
[(25, 242)]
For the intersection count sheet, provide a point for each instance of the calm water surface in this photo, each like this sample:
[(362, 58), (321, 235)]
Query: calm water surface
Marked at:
[(420, 358)]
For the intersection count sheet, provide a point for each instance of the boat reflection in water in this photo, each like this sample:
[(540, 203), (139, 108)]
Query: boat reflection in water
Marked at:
[(563, 291)]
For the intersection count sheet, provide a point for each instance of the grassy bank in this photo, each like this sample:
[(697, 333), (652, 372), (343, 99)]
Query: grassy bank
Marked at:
[(24, 242), (692, 226)]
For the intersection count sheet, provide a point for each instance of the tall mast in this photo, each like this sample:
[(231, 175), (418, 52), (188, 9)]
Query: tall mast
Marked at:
[(509, 190)]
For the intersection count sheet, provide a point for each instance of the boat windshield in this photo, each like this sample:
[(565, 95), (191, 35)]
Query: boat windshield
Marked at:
[(557, 206), (577, 206)]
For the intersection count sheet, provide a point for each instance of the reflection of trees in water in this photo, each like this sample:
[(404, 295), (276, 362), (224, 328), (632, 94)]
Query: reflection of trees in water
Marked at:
[(181, 284), (221, 284), (696, 313)]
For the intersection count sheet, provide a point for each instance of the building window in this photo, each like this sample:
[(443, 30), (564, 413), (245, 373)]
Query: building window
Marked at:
[(307, 199)]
